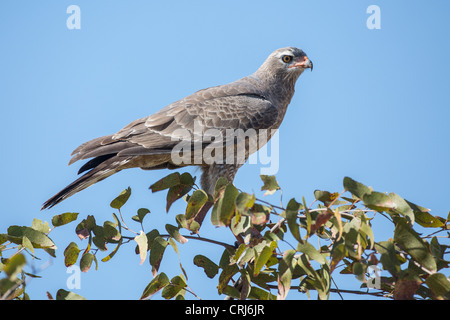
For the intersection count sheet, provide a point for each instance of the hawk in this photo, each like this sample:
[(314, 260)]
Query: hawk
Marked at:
[(256, 102)]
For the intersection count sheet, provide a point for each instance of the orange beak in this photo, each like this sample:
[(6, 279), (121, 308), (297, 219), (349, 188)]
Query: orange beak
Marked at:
[(304, 63)]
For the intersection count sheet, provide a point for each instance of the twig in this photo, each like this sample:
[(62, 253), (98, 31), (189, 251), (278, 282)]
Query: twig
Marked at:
[(337, 289), (404, 254), (192, 292), (272, 205), (345, 213), (376, 294), (431, 234), (11, 290), (223, 244), (124, 224), (277, 225)]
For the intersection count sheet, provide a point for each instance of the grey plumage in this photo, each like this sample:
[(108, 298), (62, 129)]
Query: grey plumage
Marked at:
[(256, 102)]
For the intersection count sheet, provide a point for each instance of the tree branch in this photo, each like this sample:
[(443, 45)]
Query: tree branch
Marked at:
[(223, 244)]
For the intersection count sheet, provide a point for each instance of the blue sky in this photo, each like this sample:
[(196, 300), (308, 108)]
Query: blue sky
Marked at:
[(375, 108)]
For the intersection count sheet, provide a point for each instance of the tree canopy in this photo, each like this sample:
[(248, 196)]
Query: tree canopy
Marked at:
[(292, 249)]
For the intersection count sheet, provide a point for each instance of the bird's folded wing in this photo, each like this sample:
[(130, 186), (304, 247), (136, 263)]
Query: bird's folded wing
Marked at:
[(219, 108)]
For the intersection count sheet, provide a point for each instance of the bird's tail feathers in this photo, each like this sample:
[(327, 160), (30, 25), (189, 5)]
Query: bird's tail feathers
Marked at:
[(102, 171)]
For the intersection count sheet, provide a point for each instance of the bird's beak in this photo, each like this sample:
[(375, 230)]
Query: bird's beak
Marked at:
[(303, 63)]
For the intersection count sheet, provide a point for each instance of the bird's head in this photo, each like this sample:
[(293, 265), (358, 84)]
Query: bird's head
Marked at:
[(287, 62)]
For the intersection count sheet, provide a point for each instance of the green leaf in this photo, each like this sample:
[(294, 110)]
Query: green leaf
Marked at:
[(231, 292), (241, 226), (244, 202), (215, 221), (68, 295), (338, 252), (27, 244), (194, 226), (416, 207), (90, 222), (112, 254), (413, 244), (311, 252), (187, 179), (181, 220), (262, 258), (220, 186), (319, 280), (285, 270), (246, 284), (227, 273), (260, 294), (325, 196), (71, 254), (121, 199), (358, 270), (439, 285), (175, 193), (438, 251), (41, 226), (270, 184), (64, 218), (156, 253), (37, 238), (50, 251), (167, 182), (227, 204), (141, 240), (3, 238), (291, 217), (159, 282), (110, 232), (195, 203), (82, 230), (305, 265), (86, 261), (402, 207), (117, 222), (237, 254), (368, 232), (178, 185), (427, 220), (175, 233), (14, 266), (141, 213), (177, 284), (260, 215), (308, 218), (356, 188), (389, 258), (211, 269), (151, 236), (247, 256), (173, 244), (378, 201), (99, 238)]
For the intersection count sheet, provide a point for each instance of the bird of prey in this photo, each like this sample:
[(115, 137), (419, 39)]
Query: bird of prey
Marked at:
[(256, 102)]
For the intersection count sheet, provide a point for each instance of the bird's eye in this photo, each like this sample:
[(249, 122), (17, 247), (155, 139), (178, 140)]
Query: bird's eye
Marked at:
[(287, 59)]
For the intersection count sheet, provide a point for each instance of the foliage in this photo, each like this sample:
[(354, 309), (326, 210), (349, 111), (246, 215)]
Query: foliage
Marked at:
[(274, 253)]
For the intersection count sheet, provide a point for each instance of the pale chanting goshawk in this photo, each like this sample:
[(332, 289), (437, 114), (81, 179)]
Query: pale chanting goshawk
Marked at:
[(258, 101)]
